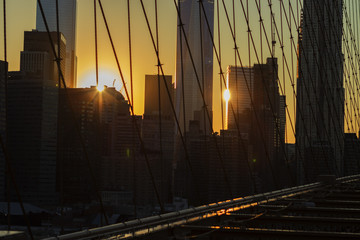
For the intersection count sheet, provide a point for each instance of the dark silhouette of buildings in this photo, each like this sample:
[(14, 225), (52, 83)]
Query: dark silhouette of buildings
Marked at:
[(3, 80), (32, 103), (266, 139), (158, 136), (211, 178)]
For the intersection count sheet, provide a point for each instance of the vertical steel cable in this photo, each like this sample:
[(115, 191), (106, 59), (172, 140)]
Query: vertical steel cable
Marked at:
[(133, 105), (202, 66), (159, 99), (58, 118), (6, 81), (221, 84), (96, 46), (182, 71)]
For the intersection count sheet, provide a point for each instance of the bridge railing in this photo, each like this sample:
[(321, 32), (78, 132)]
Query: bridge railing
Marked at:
[(148, 225)]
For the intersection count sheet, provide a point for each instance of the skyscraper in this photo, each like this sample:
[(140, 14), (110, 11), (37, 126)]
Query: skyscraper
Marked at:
[(189, 101), (152, 95), (32, 102), (265, 134), (240, 78), (3, 78), (320, 93), (67, 25)]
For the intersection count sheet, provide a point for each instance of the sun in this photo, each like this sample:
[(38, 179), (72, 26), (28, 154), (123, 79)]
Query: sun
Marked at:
[(100, 88), (226, 95)]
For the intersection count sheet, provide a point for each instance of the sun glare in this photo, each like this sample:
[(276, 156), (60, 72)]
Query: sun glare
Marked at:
[(227, 95), (100, 88)]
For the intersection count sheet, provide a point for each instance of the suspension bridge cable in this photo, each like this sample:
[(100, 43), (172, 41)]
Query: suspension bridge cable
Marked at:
[(159, 99), (58, 119), (132, 110), (96, 46), (133, 105), (71, 110), (6, 82)]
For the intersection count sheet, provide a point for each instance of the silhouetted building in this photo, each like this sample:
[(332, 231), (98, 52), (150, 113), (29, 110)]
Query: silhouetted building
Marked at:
[(158, 136), (32, 120), (104, 123), (240, 86), (217, 167), (3, 80), (67, 25), (189, 101), (320, 93), (36, 43), (266, 128), (152, 95)]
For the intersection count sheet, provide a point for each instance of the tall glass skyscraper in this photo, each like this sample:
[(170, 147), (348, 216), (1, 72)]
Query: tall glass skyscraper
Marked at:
[(320, 92), (189, 102), (67, 25)]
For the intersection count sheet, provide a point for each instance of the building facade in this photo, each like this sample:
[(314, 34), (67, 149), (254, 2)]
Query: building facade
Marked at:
[(320, 92), (67, 25), (240, 84), (189, 101), (32, 103)]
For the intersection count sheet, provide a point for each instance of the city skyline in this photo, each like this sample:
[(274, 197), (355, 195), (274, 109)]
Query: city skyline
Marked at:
[(240, 106), (167, 39)]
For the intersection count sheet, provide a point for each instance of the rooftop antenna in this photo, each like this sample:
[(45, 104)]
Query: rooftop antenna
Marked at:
[(273, 41)]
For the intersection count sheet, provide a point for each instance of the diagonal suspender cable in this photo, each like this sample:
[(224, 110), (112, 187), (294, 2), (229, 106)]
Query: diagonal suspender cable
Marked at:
[(72, 112), (159, 99), (133, 105)]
